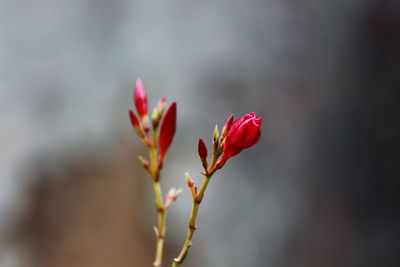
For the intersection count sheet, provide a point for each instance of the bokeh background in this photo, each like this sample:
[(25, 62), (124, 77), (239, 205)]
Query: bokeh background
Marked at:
[(320, 189)]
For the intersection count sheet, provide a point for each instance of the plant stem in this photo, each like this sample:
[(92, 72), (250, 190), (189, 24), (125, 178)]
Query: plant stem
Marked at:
[(160, 230), (192, 223), (161, 224), (197, 198)]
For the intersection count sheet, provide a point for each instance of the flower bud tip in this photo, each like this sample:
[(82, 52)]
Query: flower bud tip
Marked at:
[(229, 122), (216, 132), (145, 162), (178, 191), (161, 105), (189, 180), (140, 98), (163, 100)]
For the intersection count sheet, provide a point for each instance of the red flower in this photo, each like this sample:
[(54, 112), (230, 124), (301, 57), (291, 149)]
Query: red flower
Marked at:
[(244, 133), (140, 98), (167, 131)]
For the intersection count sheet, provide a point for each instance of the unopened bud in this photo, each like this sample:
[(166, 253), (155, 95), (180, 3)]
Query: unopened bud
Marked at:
[(134, 119), (161, 105), (189, 180), (167, 131), (178, 191), (158, 112), (145, 162), (202, 150), (155, 118), (215, 139), (216, 133), (135, 123), (145, 123), (173, 193), (229, 123), (227, 127), (140, 98), (191, 185)]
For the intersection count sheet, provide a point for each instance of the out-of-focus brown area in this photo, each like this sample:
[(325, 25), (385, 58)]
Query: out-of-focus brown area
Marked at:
[(87, 210)]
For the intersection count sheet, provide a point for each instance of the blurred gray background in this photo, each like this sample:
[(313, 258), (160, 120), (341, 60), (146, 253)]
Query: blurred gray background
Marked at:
[(320, 189)]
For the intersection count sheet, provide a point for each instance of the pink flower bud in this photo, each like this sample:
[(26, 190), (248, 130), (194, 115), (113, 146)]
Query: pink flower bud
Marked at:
[(161, 103), (134, 119), (244, 133), (202, 149), (140, 98), (167, 131)]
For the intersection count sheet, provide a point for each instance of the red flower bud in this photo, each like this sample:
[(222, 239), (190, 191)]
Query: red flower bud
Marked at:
[(167, 131), (226, 127), (228, 123), (244, 133), (140, 98), (202, 149), (134, 119)]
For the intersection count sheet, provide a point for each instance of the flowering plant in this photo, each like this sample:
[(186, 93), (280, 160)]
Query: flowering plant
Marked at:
[(235, 136)]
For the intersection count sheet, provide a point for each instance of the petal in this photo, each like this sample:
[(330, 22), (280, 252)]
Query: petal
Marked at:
[(252, 133)]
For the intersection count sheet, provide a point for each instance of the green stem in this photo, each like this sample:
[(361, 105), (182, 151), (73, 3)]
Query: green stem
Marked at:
[(161, 229), (192, 223), (195, 208)]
